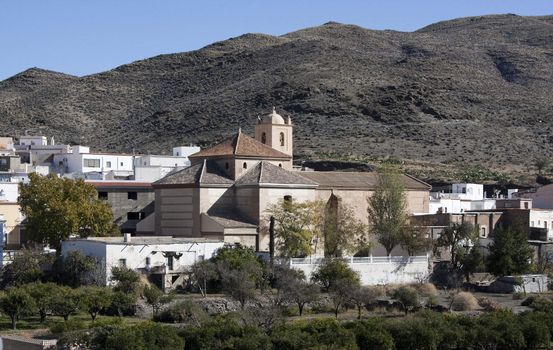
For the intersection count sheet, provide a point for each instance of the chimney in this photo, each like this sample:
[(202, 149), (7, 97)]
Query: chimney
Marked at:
[(127, 238)]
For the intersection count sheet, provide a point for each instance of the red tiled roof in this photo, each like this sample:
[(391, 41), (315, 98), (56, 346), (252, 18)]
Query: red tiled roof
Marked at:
[(240, 145)]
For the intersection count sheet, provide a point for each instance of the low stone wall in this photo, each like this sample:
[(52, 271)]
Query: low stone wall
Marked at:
[(16, 342), (376, 270)]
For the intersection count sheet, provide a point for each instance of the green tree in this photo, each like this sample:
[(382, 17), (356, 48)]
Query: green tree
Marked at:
[(95, 300), (201, 273), (414, 239), (156, 298), (42, 294), (66, 301), (75, 269), (340, 293), (25, 268), (541, 164), (128, 281), (16, 302), (123, 303), (364, 296), (331, 271), (57, 208), (461, 242), (510, 253), (369, 335), (387, 208), (342, 232), (408, 298), (297, 223)]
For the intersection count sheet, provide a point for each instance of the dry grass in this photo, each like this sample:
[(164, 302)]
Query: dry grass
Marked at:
[(464, 301), (427, 290)]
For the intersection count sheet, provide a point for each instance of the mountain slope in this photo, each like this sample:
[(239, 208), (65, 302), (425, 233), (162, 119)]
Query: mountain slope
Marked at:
[(471, 90)]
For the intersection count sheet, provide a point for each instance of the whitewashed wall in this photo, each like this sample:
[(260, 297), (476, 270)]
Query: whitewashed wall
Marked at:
[(377, 270)]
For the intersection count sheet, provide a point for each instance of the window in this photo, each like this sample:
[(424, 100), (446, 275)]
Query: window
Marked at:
[(103, 195), (132, 195), (245, 165), (108, 164), (121, 163), (483, 231), (226, 165), (525, 205), (288, 198), (91, 163), (3, 161), (545, 224), (464, 190), (147, 261), (282, 139), (177, 154), (122, 262), (135, 215), (280, 165), (263, 138), (170, 263)]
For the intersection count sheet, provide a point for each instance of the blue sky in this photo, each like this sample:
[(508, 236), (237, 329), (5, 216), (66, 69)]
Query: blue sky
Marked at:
[(81, 37)]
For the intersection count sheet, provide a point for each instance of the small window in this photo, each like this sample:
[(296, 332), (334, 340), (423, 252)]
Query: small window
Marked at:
[(122, 262), (464, 190), (91, 163), (170, 263), (282, 139), (177, 154), (108, 164), (103, 195), (147, 261), (545, 224), (245, 165), (135, 215), (132, 195), (226, 165), (483, 232), (280, 165), (121, 163), (264, 138), (288, 198), (525, 205)]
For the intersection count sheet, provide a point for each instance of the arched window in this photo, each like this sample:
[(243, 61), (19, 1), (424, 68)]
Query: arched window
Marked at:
[(282, 139), (245, 165), (264, 138), (280, 165)]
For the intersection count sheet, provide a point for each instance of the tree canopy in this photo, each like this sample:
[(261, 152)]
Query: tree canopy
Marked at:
[(387, 208), (58, 208), (510, 253)]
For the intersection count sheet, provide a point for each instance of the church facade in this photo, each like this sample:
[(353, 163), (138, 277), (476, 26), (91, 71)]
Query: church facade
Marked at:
[(226, 191)]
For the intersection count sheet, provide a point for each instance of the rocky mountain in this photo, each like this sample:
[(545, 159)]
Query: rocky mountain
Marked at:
[(466, 91)]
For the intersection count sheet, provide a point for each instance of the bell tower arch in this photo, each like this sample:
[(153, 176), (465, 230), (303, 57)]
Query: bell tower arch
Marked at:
[(275, 131)]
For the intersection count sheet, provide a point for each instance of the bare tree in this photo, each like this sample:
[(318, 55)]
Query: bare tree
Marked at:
[(340, 294), (364, 296)]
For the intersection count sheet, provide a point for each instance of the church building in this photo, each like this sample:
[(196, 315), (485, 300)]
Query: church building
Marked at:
[(224, 194)]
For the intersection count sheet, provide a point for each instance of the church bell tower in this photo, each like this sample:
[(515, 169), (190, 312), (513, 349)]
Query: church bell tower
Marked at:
[(272, 130)]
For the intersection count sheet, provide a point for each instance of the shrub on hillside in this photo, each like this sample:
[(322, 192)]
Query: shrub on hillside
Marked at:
[(489, 304), (464, 301), (427, 290)]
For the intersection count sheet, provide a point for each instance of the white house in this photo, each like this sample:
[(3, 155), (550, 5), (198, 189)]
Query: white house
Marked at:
[(151, 168), (99, 166), (165, 259), (463, 197)]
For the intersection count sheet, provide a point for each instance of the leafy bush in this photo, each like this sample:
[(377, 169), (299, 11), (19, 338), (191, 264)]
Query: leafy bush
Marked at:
[(464, 301), (183, 312), (334, 270), (407, 297), (68, 326)]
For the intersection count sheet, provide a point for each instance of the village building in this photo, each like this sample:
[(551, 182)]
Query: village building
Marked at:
[(164, 259), (226, 191)]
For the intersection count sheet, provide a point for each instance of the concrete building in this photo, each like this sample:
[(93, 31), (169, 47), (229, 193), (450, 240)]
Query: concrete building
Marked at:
[(11, 213), (164, 259), (81, 163), (224, 194), (130, 201), (463, 197), (150, 168)]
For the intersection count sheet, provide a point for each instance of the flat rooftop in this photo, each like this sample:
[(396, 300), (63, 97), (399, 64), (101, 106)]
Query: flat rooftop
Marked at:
[(145, 240)]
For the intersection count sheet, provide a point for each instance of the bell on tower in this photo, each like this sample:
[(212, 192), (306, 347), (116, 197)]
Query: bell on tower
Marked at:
[(272, 130)]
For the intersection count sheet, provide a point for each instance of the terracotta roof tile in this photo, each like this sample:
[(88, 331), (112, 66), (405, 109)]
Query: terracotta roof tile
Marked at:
[(361, 180), (240, 144), (206, 172), (267, 173)]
